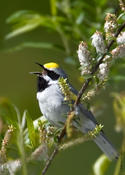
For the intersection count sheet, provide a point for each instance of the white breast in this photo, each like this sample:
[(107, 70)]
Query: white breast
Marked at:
[(51, 102)]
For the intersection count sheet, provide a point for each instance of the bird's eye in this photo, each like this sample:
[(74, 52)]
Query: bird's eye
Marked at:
[(53, 75)]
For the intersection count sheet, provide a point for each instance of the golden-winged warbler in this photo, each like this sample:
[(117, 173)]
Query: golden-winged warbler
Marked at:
[(54, 108)]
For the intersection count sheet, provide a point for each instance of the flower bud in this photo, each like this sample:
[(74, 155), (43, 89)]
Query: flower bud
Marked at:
[(103, 71), (122, 5), (83, 54), (118, 52), (110, 26), (98, 42), (121, 38)]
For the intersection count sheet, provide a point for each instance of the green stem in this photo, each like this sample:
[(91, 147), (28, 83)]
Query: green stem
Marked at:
[(20, 143), (64, 40), (118, 166), (53, 7), (119, 162), (22, 152)]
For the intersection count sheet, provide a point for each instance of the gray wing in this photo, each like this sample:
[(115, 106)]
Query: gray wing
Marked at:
[(101, 140), (85, 111)]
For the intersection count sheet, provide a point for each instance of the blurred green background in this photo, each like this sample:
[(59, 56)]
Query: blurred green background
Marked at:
[(20, 87)]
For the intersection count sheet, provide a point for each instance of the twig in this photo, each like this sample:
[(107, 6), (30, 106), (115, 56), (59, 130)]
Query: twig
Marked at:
[(40, 153), (48, 163), (77, 101), (74, 142), (5, 143)]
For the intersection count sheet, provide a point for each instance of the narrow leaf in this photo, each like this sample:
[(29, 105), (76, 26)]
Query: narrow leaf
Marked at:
[(15, 17), (23, 29), (21, 145), (8, 111), (38, 45), (31, 130), (101, 165), (119, 78), (118, 166)]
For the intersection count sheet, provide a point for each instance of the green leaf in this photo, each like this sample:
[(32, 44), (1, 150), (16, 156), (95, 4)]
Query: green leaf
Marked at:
[(8, 111), (23, 29), (119, 78), (27, 23), (21, 145), (23, 122), (80, 18), (39, 45), (118, 166), (15, 17), (101, 3), (121, 16), (31, 129), (23, 21), (101, 165), (119, 109), (70, 60)]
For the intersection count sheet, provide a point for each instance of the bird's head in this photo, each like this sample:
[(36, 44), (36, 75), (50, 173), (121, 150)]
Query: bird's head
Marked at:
[(50, 73)]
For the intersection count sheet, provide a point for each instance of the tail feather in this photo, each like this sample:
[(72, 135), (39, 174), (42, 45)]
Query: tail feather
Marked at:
[(88, 124), (105, 145)]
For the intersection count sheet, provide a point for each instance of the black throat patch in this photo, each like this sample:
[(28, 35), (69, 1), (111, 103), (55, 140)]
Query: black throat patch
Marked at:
[(42, 84)]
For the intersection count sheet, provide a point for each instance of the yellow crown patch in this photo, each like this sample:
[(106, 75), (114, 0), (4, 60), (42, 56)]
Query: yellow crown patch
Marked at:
[(51, 65)]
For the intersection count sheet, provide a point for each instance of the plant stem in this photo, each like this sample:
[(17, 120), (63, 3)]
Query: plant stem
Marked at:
[(48, 163), (22, 151), (119, 162)]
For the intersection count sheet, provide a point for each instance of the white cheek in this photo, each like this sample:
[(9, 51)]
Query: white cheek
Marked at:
[(47, 78)]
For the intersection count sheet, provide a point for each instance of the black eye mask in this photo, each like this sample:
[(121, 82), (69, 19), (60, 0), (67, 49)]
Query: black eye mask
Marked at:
[(53, 75)]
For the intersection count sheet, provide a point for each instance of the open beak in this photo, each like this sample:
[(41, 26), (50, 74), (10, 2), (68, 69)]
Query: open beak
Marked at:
[(39, 73), (36, 73)]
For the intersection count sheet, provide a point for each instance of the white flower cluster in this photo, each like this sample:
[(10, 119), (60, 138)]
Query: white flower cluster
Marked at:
[(122, 5), (88, 64), (85, 70), (98, 42), (121, 38), (103, 71), (110, 25), (106, 58), (84, 58), (89, 94), (83, 54), (118, 52)]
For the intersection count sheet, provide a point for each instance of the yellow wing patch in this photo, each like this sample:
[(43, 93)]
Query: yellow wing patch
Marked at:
[(51, 65)]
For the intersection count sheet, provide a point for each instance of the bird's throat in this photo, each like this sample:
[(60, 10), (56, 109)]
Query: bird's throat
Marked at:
[(42, 84)]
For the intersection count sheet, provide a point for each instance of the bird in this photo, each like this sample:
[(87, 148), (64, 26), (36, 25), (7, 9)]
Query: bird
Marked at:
[(53, 107)]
